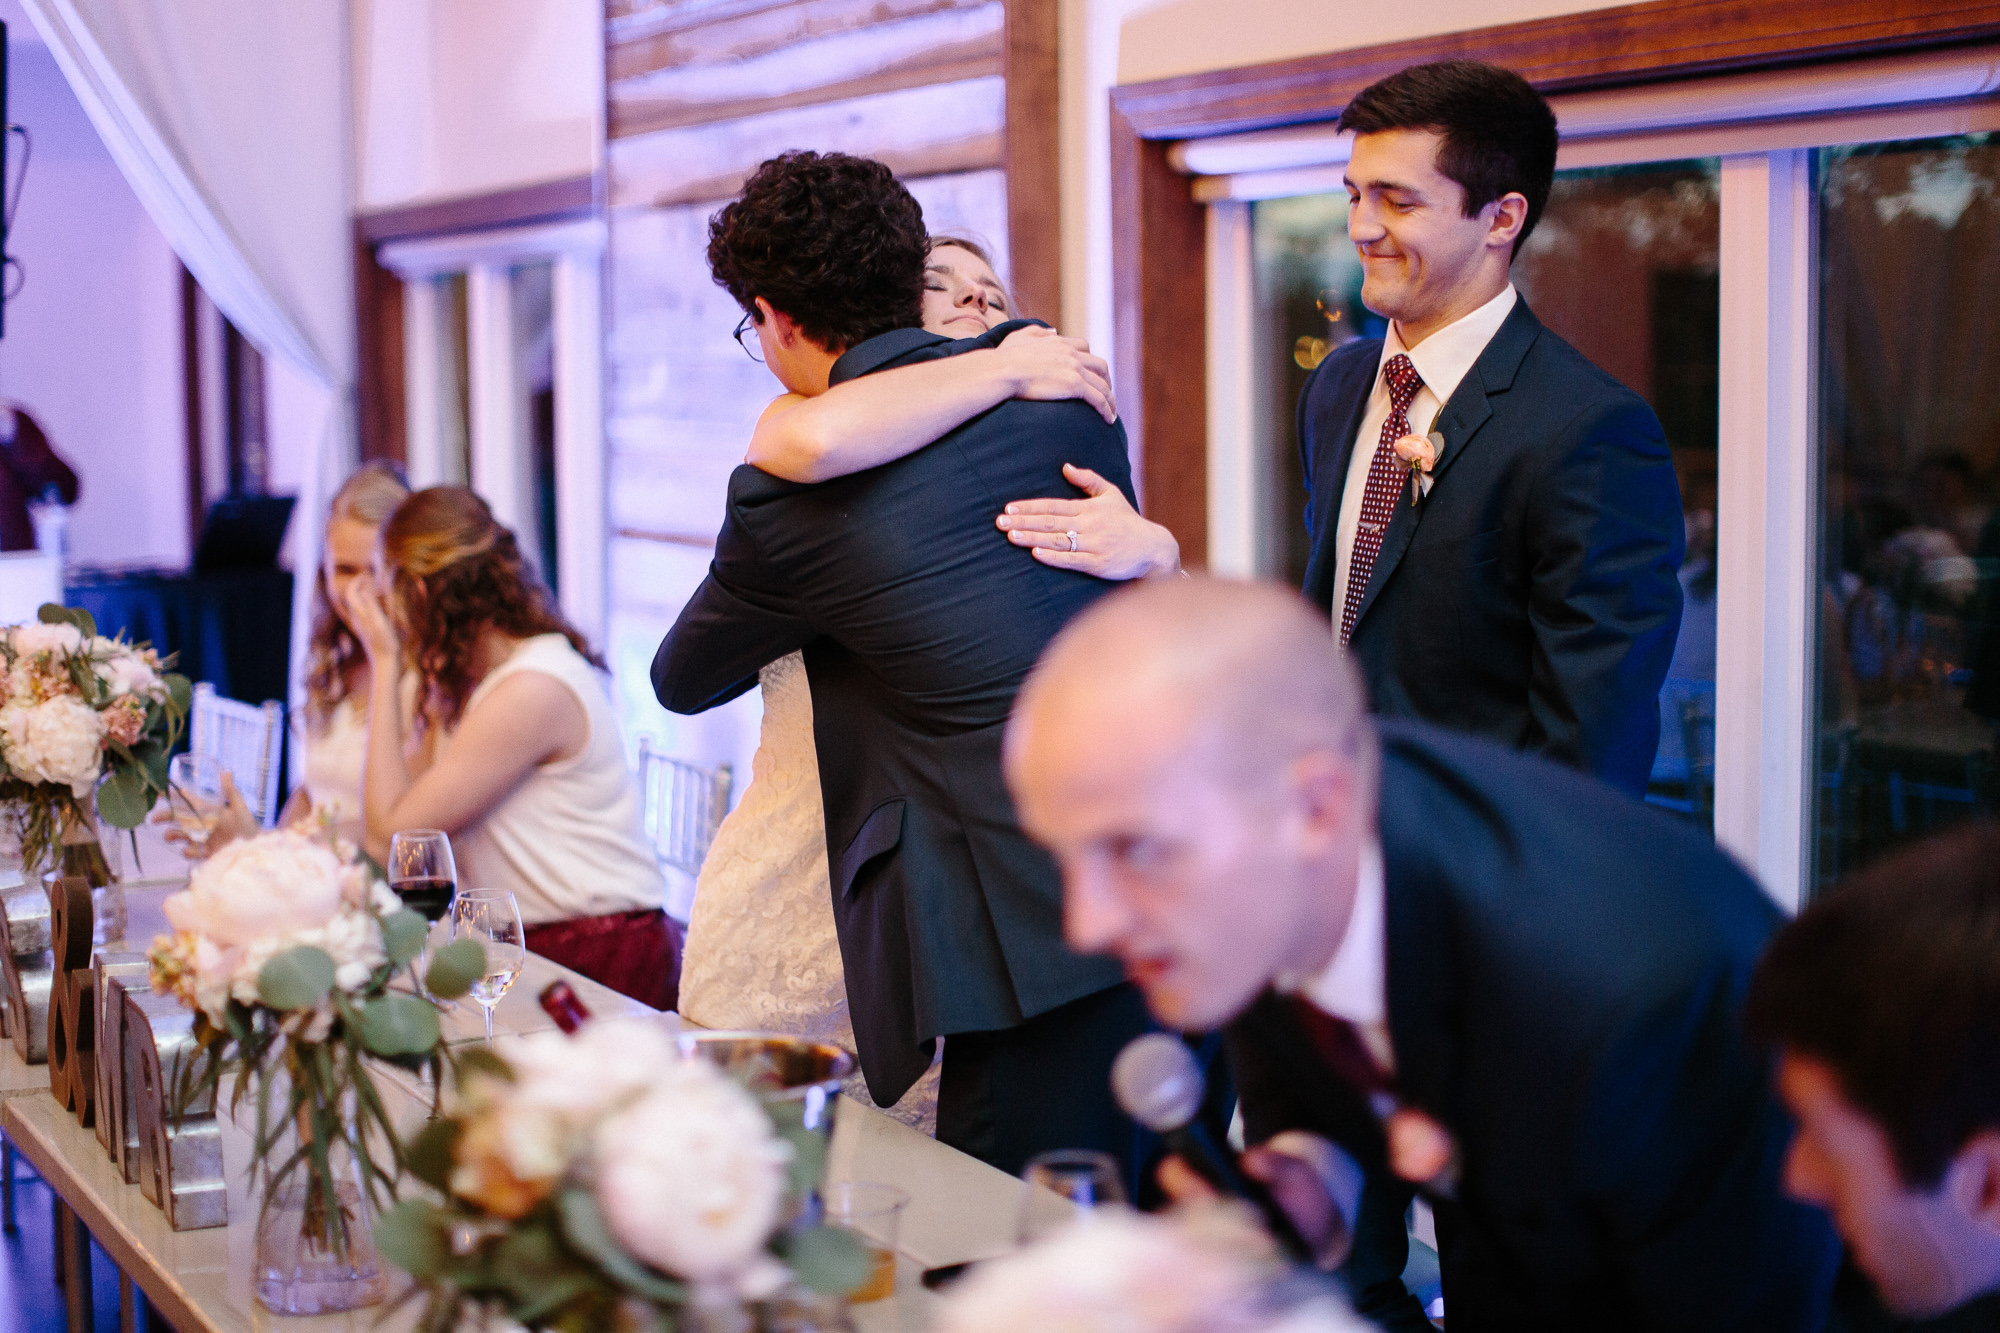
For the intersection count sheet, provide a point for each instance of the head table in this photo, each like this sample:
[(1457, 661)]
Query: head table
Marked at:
[(960, 1209)]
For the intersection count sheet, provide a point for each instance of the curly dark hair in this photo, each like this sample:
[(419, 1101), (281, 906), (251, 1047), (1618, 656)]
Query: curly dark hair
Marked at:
[(833, 241), (1499, 135), (333, 654), (455, 573)]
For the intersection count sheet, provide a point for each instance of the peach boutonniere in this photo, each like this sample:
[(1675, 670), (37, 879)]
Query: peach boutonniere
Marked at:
[(1419, 455)]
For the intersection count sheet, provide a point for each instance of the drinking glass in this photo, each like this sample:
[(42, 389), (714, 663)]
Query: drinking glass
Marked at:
[(1058, 1187), (873, 1213), (491, 917), (422, 872), (194, 795)]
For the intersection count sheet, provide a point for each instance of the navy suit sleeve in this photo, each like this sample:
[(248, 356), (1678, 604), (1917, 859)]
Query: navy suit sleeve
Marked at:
[(1606, 537), (743, 616), (1682, 1145)]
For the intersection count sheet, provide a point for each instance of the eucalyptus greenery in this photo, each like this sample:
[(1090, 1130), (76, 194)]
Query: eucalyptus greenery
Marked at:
[(285, 1046), (559, 1268)]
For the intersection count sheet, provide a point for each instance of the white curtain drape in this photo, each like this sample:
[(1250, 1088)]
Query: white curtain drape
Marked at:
[(231, 120)]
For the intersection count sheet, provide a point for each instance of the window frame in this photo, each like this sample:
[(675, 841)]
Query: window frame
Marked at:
[(497, 435), (1768, 465)]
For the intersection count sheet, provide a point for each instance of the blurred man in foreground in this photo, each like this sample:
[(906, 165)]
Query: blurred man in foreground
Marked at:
[(1499, 977), (1883, 999)]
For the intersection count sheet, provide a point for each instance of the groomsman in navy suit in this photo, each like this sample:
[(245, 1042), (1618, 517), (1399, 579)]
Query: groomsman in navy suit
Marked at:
[(1435, 962), (1495, 523)]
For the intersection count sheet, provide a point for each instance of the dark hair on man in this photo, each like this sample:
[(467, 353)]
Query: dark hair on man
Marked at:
[(1892, 980), (1499, 135), (833, 241)]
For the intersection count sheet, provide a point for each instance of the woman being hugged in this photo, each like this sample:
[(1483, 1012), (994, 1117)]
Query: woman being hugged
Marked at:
[(514, 751)]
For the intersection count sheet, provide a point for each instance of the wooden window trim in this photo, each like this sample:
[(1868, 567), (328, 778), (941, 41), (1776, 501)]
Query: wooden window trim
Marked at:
[(378, 293), (1158, 227)]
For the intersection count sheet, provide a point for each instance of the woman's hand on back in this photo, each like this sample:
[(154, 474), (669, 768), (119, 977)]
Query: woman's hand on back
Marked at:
[(1049, 367), (1112, 540)]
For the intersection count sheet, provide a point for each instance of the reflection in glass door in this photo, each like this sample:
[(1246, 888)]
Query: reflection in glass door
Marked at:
[(1624, 265), (1909, 423)]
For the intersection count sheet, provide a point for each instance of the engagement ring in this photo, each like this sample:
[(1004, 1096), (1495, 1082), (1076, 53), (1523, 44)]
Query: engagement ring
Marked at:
[(1071, 534)]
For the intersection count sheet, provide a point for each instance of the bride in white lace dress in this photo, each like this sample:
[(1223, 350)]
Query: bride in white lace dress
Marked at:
[(761, 951)]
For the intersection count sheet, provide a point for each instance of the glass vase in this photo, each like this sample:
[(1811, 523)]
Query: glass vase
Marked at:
[(315, 1246), (90, 850)]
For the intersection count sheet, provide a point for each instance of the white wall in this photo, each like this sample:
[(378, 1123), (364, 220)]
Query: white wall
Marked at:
[(1106, 42), (93, 340), (466, 97)]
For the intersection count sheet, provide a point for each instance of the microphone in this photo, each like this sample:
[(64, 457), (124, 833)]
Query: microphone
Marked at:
[(1156, 1081)]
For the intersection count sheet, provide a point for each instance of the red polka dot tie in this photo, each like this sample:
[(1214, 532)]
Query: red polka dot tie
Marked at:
[(1386, 478)]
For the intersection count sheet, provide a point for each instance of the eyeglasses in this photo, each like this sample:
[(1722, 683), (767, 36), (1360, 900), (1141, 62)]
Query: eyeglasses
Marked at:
[(751, 347)]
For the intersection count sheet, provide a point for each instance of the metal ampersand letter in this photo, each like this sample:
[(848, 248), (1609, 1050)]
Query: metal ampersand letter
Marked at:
[(28, 966), (179, 1157), (72, 1008), (111, 971)]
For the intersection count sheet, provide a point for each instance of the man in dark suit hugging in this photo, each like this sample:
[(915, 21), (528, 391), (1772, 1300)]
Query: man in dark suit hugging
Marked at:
[(1495, 524), (1473, 969), (918, 621)]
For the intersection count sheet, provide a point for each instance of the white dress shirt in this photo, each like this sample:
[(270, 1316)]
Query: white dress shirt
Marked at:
[(1442, 360), (1354, 984)]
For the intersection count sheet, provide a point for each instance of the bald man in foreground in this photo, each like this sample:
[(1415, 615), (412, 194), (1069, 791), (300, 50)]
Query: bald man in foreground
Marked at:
[(1512, 985)]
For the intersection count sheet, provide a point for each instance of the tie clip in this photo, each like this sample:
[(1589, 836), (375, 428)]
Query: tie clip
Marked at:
[(1373, 528)]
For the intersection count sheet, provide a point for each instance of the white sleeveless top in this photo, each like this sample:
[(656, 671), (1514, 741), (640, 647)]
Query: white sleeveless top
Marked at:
[(568, 840), (334, 758), (337, 754)]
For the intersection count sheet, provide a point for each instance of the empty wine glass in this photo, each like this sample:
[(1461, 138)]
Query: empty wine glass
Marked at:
[(194, 794), (491, 917), (1059, 1187)]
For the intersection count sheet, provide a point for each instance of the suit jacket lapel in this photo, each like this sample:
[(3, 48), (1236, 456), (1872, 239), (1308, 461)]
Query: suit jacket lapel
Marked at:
[(1327, 490), (1458, 421), (1419, 948)]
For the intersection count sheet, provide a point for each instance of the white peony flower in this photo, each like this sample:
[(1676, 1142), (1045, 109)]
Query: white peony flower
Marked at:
[(60, 740), (1201, 1271), (257, 898), (258, 887), (691, 1176), (124, 672), (39, 638)]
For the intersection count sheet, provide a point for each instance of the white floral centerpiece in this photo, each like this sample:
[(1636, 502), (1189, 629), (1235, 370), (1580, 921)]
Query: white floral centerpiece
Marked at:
[(285, 952), (81, 717), (606, 1180), (1207, 1269)]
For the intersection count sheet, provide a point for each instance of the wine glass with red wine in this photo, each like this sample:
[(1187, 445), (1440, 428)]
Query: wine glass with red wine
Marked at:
[(422, 872)]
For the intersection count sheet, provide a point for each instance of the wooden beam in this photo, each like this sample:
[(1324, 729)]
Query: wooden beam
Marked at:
[(197, 486), (733, 37), (1161, 296), (1630, 44), (502, 208), (1158, 244), (1033, 160), (917, 131), (635, 115)]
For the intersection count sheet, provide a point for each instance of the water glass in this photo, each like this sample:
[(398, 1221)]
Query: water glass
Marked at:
[(491, 917), (1060, 1186), (194, 795), (874, 1214)]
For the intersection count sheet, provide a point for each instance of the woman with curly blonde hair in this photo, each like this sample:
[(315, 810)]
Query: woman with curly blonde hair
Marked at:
[(514, 750), (335, 716)]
